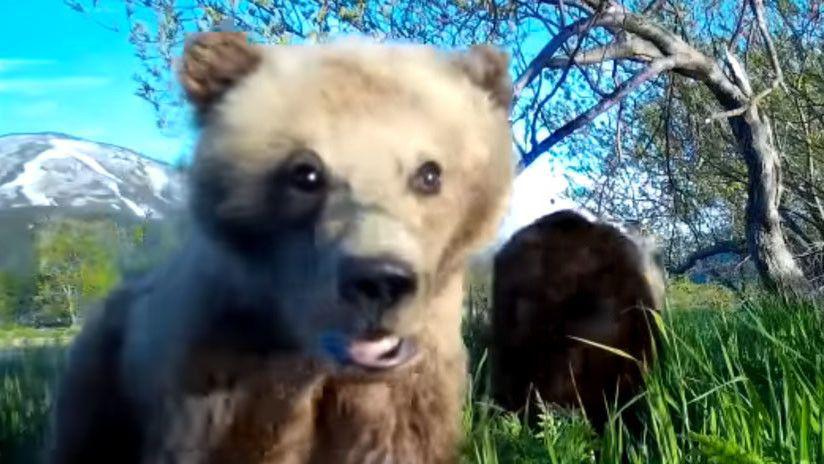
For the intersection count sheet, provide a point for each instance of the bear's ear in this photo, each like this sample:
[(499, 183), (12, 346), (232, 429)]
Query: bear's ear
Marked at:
[(488, 68), (212, 63)]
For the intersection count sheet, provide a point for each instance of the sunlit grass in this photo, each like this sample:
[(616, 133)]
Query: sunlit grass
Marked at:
[(27, 377), (15, 336), (742, 386)]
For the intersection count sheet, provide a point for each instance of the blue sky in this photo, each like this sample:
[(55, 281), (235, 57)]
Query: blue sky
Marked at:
[(61, 71)]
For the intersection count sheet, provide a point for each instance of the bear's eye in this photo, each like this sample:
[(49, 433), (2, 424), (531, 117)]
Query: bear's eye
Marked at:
[(306, 172), (427, 179)]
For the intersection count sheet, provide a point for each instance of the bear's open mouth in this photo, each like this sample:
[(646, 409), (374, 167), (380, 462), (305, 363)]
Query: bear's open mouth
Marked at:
[(375, 351), (383, 351)]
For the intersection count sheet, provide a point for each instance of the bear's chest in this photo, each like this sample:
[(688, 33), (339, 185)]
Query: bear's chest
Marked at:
[(290, 412)]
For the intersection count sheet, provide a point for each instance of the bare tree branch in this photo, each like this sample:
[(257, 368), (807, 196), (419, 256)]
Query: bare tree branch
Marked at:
[(688, 61), (738, 72), (738, 27), (778, 81), (577, 5), (653, 7), (758, 9), (534, 68), (654, 69), (629, 48), (719, 248)]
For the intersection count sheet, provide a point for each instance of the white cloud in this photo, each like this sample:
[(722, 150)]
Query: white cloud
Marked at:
[(10, 64), (40, 82), (44, 85), (537, 191)]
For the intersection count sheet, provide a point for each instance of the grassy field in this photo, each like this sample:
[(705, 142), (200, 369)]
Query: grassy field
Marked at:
[(733, 386), (16, 337), (27, 377)]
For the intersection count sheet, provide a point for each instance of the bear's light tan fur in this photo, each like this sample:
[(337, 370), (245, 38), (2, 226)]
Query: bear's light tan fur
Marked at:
[(373, 113)]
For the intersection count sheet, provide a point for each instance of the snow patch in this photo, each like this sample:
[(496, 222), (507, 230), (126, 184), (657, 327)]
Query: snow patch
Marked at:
[(75, 149), (158, 179), (27, 183), (30, 181)]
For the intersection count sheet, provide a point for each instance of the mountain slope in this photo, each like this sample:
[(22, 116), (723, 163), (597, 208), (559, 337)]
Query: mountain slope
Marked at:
[(55, 170)]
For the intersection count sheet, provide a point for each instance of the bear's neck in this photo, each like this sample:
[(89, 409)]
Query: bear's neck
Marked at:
[(287, 409), (411, 418)]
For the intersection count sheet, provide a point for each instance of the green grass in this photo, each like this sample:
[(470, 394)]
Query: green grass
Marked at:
[(16, 337), (740, 386), (27, 377), (736, 386)]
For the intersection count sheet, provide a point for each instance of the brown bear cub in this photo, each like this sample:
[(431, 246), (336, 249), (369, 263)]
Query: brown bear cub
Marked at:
[(561, 277), (314, 314)]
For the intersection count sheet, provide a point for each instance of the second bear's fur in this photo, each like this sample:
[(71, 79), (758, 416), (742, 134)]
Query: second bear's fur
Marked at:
[(567, 276)]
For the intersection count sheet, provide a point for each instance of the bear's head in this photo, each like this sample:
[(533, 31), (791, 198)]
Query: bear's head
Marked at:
[(359, 176)]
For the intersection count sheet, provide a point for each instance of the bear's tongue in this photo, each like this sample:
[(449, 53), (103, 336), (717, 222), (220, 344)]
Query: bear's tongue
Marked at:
[(380, 351)]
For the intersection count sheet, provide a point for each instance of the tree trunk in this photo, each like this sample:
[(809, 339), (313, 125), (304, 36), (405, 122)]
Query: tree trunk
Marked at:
[(765, 236), (666, 50)]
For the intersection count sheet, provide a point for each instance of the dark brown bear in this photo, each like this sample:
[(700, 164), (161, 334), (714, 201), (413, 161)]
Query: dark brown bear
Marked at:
[(565, 276)]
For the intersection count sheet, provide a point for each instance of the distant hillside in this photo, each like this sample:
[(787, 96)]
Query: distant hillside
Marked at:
[(49, 178), (79, 176)]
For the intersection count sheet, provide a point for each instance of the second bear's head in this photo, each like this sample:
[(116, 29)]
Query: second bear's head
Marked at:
[(364, 173)]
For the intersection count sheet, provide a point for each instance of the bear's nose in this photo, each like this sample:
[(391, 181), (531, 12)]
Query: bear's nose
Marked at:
[(376, 283)]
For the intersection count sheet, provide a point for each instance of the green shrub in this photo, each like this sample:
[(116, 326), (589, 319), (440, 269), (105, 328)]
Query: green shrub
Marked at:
[(76, 264), (11, 289), (685, 294)]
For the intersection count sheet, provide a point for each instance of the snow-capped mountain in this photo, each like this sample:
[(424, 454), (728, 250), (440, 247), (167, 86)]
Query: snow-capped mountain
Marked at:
[(56, 170)]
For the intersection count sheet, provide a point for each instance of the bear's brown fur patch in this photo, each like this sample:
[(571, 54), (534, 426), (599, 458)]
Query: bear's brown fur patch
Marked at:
[(566, 276)]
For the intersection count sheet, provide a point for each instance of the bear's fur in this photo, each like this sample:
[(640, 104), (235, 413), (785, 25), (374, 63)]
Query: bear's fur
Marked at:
[(569, 276), (240, 349)]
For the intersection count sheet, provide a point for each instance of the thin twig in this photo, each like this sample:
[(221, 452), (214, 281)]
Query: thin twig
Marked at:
[(539, 62), (778, 81), (758, 9), (654, 69)]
